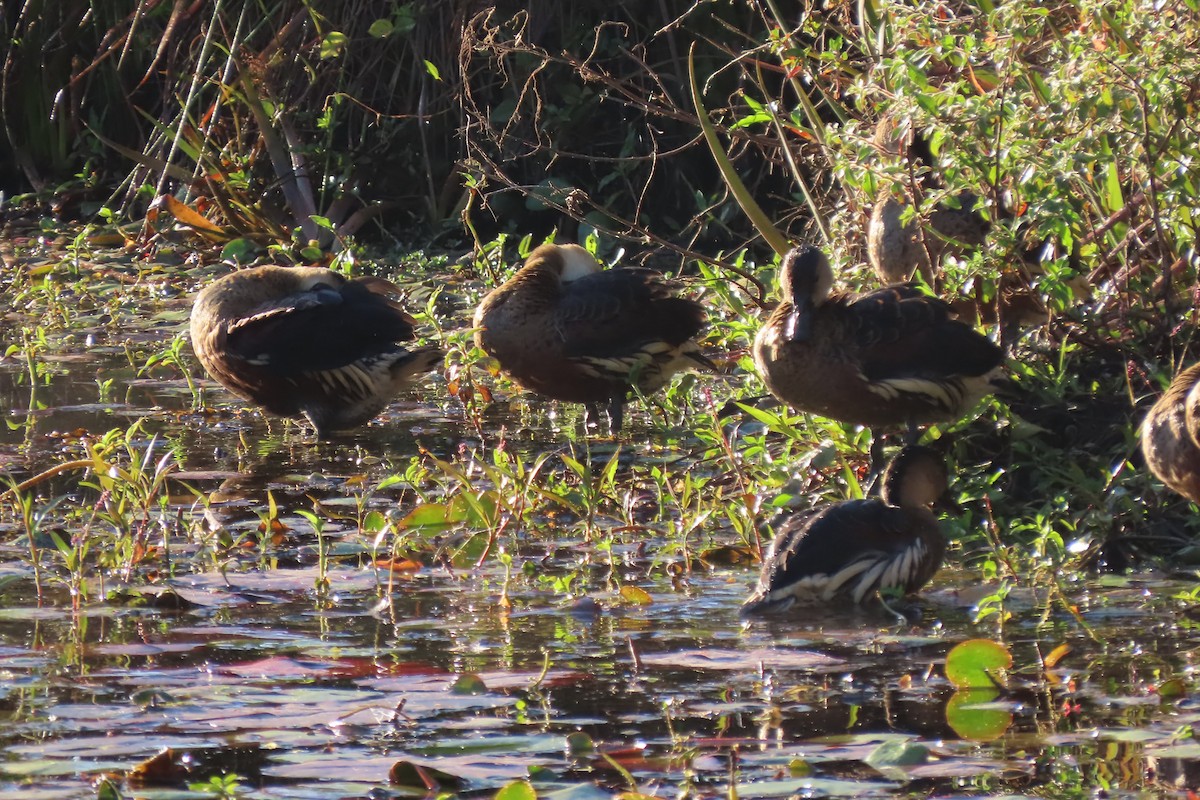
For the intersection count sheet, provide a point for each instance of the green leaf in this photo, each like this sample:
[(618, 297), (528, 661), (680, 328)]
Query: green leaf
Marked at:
[(432, 70), (737, 188), (381, 28), (973, 715), (898, 754), (333, 43), (469, 683), (977, 664), (635, 596), (517, 790)]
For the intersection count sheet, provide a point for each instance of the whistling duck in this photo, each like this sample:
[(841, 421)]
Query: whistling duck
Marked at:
[(897, 249), (303, 340), (564, 328), (1170, 440), (847, 551), (889, 357)]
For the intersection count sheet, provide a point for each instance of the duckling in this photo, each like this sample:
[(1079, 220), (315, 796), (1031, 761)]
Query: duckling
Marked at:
[(564, 328), (304, 340), (847, 551), (890, 357), (897, 249), (1171, 435)]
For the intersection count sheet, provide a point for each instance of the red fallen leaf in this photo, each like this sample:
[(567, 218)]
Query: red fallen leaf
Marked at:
[(158, 770), (399, 564), (635, 760), (274, 667)]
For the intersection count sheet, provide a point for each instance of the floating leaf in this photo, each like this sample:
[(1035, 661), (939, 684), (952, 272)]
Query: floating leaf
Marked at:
[(408, 774), (898, 753), (469, 683), (977, 664), (579, 744), (1172, 689), (635, 596), (517, 790)]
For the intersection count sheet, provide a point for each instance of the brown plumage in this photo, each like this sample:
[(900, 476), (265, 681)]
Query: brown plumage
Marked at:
[(304, 340), (897, 248), (1171, 435), (850, 550), (564, 328), (889, 357)]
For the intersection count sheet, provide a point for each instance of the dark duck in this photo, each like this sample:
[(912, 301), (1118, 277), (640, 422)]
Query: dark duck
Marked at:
[(891, 357), (564, 328), (849, 551), (305, 340)]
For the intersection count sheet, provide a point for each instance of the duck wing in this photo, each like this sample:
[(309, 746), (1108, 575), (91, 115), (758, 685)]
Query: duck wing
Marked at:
[(849, 550), (621, 310), (324, 328), (903, 333)]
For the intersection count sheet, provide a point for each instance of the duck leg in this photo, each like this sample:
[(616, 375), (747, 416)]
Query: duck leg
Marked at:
[(591, 415), (875, 464), (616, 415)]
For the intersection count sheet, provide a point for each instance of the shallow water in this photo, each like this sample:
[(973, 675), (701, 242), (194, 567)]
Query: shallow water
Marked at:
[(247, 657)]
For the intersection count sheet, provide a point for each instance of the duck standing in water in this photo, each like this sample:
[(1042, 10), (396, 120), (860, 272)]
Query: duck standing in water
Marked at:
[(305, 340), (848, 551), (1169, 435), (565, 328), (894, 356)]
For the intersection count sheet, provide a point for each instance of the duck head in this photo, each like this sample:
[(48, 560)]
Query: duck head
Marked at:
[(568, 262), (917, 478), (806, 280)]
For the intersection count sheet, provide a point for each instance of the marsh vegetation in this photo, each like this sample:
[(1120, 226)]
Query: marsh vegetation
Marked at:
[(475, 592)]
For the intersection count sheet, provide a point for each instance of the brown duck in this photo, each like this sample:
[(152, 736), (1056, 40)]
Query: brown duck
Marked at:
[(303, 340), (564, 328), (850, 550), (897, 248), (890, 357), (1171, 435)]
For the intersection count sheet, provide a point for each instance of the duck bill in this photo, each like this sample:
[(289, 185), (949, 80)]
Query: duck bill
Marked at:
[(798, 325)]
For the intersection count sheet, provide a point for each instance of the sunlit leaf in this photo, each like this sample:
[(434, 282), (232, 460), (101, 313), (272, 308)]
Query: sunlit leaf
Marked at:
[(517, 790), (332, 44), (635, 596), (381, 28), (1056, 655), (977, 664), (1172, 689)]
